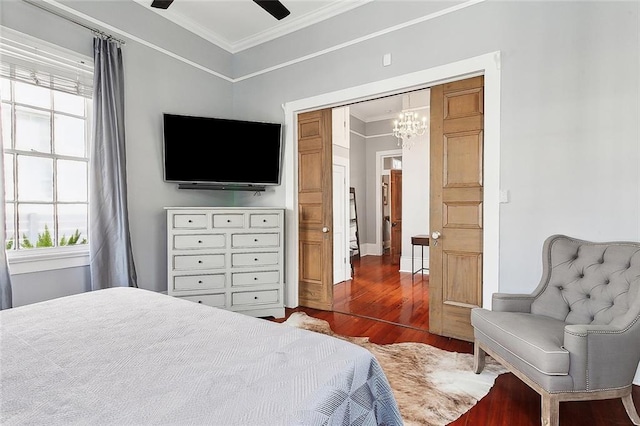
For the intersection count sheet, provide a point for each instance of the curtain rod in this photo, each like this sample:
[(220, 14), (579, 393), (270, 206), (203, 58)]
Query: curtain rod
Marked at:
[(94, 30)]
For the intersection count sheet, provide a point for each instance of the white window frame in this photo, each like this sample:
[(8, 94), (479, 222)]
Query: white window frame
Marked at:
[(39, 260)]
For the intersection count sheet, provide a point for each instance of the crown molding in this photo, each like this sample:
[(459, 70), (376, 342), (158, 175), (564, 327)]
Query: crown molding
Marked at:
[(189, 25), (303, 21), (387, 116), (282, 29)]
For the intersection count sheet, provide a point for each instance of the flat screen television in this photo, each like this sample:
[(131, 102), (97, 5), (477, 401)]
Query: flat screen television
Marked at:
[(217, 153)]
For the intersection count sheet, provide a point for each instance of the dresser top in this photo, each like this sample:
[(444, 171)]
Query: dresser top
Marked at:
[(224, 208)]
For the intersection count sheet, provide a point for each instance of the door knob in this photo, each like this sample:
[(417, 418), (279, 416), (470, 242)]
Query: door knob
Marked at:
[(325, 229), (435, 235)]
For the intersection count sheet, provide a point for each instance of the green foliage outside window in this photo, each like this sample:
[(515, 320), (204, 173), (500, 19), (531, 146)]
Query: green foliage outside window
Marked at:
[(45, 240)]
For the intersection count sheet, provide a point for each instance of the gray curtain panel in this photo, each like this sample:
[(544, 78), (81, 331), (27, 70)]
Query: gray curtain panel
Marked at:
[(109, 240), (6, 299)]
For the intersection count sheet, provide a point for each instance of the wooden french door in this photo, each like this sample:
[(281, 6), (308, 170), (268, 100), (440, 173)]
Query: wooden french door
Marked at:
[(395, 215), (315, 210), (455, 257)]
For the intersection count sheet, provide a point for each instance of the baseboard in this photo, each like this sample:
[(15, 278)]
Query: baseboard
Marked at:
[(369, 249), (405, 264)]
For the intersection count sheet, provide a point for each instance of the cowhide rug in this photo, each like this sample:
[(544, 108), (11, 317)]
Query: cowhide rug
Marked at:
[(432, 386)]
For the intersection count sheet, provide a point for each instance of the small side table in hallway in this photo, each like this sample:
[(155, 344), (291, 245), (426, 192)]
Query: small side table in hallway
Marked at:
[(422, 241)]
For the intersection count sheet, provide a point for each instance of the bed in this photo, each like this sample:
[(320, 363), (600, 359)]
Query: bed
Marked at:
[(125, 356)]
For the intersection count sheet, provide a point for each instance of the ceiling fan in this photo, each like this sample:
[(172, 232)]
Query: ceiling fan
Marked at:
[(274, 7)]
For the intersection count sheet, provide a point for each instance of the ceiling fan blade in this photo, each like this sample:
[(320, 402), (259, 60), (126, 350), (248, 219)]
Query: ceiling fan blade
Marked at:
[(161, 4), (274, 7)]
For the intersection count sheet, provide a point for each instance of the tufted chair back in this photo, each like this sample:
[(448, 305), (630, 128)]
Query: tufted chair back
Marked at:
[(589, 283)]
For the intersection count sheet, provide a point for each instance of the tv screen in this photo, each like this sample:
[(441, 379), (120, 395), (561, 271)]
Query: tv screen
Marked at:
[(220, 151)]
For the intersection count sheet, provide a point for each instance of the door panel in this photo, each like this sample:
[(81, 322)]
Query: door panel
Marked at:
[(462, 159), (455, 267), (315, 210)]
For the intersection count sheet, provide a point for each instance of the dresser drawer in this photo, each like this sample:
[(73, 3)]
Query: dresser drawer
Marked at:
[(254, 259), (190, 221), (215, 300), (201, 261), (264, 220), (228, 220), (182, 242), (254, 297), (199, 282), (255, 240), (255, 278)]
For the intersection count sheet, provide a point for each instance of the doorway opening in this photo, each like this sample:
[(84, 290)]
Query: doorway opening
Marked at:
[(381, 285)]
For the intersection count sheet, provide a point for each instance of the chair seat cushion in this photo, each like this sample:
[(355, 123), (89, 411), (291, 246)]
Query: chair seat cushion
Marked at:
[(533, 339)]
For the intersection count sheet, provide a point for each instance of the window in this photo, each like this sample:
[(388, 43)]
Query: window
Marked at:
[(45, 94), (46, 166)]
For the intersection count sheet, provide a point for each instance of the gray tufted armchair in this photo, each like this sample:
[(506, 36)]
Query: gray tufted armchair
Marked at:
[(577, 336)]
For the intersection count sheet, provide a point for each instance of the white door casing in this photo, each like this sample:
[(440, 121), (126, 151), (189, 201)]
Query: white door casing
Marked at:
[(488, 65), (341, 270)]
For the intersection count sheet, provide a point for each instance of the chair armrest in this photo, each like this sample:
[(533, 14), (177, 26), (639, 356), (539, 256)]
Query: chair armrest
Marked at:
[(505, 302), (602, 356)]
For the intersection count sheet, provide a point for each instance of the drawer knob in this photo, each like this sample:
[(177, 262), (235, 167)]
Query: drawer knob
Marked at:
[(264, 220), (199, 241), (256, 259), (199, 261), (228, 220), (255, 239), (189, 221), (255, 297), (255, 278), (199, 301), (199, 281)]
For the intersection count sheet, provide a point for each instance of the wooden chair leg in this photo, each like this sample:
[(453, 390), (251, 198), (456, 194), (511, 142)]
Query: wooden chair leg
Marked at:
[(550, 410), (627, 400), (478, 358)]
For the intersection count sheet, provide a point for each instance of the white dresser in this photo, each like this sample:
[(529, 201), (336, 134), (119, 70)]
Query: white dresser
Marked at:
[(227, 257)]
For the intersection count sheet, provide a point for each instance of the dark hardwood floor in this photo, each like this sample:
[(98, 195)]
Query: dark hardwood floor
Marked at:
[(378, 290), (390, 306)]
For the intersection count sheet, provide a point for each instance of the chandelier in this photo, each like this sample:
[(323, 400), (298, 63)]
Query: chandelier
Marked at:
[(407, 126)]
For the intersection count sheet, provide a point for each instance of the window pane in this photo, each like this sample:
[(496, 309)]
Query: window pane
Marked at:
[(33, 130), (6, 125), (5, 89), (66, 102), (35, 178), (35, 224), (72, 224), (32, 95), (8, 178), (10, 241), (72, 180), (68, 135)]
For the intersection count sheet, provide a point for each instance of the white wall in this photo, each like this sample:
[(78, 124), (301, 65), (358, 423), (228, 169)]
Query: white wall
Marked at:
[(358, 174), (415, 200), (416, 185)]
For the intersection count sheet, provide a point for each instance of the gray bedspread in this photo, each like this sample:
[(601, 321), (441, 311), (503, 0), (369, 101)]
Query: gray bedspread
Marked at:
[(127, 356)]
